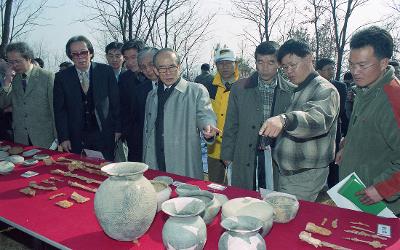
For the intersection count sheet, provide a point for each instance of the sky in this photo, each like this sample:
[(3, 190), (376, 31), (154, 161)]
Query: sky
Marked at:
[(61, 24)]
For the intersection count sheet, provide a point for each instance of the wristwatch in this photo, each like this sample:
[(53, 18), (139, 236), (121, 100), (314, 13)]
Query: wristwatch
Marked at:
[(284, 120)]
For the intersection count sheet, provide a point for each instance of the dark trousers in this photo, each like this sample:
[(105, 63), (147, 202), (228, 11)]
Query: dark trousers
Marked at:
[(94, 140)]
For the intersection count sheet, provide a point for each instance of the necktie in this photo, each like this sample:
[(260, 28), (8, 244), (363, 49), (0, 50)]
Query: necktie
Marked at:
[(24, 81), (84, 81)]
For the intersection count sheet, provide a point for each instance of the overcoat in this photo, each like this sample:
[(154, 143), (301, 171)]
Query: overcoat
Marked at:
[(186, 112), (244, 120)]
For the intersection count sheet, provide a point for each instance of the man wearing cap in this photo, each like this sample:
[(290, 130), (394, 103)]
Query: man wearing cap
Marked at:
[(228, 73)]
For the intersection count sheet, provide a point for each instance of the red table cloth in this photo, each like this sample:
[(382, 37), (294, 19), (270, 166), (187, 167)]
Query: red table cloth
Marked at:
[(77, 226)]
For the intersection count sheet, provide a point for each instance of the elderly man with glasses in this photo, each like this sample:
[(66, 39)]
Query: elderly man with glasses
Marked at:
[(306, 132), (86, 102), (175, 113), (31, 97)]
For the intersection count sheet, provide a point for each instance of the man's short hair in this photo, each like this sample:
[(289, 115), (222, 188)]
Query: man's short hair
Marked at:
[(39, 61), (321, 63), (21, 47), (266, 48), (205, 67), (379, 39), (164, 50), (348, 76), (293, 46), (394, 63), (146, 51), (65, 64), (133, 44), (114, 45), (78, 39)]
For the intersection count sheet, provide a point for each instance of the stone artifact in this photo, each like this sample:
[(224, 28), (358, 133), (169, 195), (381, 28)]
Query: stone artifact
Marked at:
[(64, 204), (125, 204), (307, 237), (251, 207), (312, 228), (79, 198), (184, 229), (242, 233)]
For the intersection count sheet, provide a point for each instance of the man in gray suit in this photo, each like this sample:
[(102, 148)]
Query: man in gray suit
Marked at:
[(31, 97), (175, 113)]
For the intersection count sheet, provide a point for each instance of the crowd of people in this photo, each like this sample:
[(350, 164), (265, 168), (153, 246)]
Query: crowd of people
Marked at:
[(289, 127)]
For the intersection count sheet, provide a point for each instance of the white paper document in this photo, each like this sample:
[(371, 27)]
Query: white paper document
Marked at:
[(93, 154)]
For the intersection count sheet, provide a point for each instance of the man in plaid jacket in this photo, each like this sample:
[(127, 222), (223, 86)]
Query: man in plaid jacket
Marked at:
[(306, 132)]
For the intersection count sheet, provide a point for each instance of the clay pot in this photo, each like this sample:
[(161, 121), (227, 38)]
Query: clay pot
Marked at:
[(242, 233), (212, 204), (184, 229), (125, 203), (253, 207), (163, 192)]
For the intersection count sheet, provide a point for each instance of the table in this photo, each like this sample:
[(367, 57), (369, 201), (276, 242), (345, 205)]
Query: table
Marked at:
[(77, 226)]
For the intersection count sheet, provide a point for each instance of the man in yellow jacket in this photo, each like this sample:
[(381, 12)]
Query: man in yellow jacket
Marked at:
[(228, 73)]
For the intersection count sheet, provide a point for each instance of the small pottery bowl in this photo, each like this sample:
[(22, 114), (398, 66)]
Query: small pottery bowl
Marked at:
[(166, 179), (183, 189), (3, 155), (163, 192), (16, 159), (285, 206), (221, 198), (6, 167), (248, 206), (212, 204)]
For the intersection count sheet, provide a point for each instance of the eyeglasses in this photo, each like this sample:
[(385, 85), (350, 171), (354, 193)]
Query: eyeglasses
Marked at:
[(290, 66), (146, 67), (14, 62), (170, 69), (82, 53), (360, 66)]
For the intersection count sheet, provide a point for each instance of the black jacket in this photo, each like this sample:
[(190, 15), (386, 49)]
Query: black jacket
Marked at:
[(68, 107)]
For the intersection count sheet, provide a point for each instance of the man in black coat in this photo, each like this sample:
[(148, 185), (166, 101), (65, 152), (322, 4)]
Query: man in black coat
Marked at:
[(138, 103), (86, 102), (326, 68)]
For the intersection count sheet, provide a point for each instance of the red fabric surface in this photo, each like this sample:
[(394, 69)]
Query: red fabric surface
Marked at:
[(77, 226)]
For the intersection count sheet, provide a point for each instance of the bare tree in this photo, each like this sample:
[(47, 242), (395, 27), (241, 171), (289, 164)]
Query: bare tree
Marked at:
[(266, 15), (341, 11), (19, 17)]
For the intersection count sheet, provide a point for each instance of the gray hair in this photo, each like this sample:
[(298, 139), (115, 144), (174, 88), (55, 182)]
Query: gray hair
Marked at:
[(148, 51), (21, 47), (165, 50)]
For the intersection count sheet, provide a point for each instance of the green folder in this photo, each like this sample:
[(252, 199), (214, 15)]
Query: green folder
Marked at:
[(349, 190)]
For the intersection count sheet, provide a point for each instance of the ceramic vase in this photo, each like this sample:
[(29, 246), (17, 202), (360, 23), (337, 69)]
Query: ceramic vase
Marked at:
[(163, 192), (242, 233), (125, 203), (184, 229)]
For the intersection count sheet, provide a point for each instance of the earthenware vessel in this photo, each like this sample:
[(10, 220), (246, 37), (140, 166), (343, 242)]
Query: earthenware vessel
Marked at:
[(285, 206), (242, 233), (163, 192), (183, 189), (249, 206), (184, 229), (125, 203), (212, 204)]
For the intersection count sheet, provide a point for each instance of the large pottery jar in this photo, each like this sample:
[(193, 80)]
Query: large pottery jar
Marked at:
[(185, 229), (242, 233), (125, 204)]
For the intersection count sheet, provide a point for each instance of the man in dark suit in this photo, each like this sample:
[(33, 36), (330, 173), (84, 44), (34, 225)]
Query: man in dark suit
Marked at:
[(86, 102), (138, 104), (127, 81), (326, 68)]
